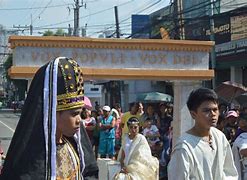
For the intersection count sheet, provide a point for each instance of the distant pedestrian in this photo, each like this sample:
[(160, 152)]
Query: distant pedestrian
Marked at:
[(231, 125), (239, 148), (133, 112), (89, 122), (2, 157), (165, 120), (97, 106), (96, 133), (150, 113), (107, 134), (151, 132), (118, 130), (203, 152), (141, 109)]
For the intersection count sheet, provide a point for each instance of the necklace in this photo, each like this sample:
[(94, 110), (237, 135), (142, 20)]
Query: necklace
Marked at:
[(209, 140)]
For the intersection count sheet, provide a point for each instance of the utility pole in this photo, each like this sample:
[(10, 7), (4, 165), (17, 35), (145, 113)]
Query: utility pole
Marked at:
[(212, 38), (120, 84), (117, 22), (176, 20), (30, 27), (181, 19), (76, 17), (22, 27), (69, 30)]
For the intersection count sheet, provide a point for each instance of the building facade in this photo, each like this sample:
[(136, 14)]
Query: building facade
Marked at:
[(223, 21), (4, 52)]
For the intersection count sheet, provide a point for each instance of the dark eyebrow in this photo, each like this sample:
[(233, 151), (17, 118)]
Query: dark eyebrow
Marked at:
[(75, 111), (208, 109)]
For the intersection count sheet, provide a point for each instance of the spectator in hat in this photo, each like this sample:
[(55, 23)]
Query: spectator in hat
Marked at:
[(239, 148), (231, 125), (235, 107), (107, 133)]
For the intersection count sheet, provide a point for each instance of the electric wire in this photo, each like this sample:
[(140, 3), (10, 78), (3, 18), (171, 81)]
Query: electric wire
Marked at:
[(194, 8)]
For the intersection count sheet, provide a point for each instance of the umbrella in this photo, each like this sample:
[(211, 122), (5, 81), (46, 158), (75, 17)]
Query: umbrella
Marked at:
[(87, 103), (242, 99), (229, 90), (154, 96)]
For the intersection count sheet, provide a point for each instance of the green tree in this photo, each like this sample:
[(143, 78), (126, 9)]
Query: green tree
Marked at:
[(20, 85), (6, 65), (48, 33), (59, 32)]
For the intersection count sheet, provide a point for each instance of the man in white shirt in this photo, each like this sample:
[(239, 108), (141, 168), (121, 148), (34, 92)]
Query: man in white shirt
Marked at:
[(203, 152)]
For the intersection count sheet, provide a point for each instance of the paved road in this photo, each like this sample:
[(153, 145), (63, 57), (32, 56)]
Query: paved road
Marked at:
[(8, 123)]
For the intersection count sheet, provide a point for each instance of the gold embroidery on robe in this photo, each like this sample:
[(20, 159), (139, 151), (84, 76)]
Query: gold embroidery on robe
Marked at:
[(67, 166)]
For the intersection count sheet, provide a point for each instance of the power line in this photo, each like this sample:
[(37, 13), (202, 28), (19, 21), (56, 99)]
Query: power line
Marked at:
[(169, 17), (42, 11), (42, 27), (73, 19), (95, 14), (68, 21), (195, 7), (27, 16), (33, 8), (149, 5)]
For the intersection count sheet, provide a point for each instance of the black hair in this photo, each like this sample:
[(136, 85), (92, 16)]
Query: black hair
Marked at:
[(221, 118), (148, 119), (117, 105), (200, 95), (132, 120), (223, 104), (169, 105), (243, 116), (83, 113), (136, 104)]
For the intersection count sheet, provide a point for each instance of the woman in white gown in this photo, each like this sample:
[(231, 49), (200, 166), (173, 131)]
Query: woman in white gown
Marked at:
[(135, 156)]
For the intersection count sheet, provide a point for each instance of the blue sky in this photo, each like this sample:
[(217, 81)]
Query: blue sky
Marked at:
[(98, 15)]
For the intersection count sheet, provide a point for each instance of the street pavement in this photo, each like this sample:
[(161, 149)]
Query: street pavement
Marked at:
[(8, 123)]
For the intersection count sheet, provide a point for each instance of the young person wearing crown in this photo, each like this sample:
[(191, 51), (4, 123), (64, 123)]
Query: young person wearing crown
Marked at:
[(49, 142)]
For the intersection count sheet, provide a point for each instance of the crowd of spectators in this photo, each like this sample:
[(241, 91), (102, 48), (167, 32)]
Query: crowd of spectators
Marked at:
[(233, 123), (107, 125)]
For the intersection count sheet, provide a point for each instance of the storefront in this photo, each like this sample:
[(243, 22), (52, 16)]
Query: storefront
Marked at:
[(231, 61)]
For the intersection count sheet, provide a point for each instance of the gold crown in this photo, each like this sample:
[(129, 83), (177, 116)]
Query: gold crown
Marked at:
[(70, 92)]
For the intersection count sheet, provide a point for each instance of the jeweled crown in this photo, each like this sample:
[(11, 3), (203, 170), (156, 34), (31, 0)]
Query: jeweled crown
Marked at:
[(70, 91)]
